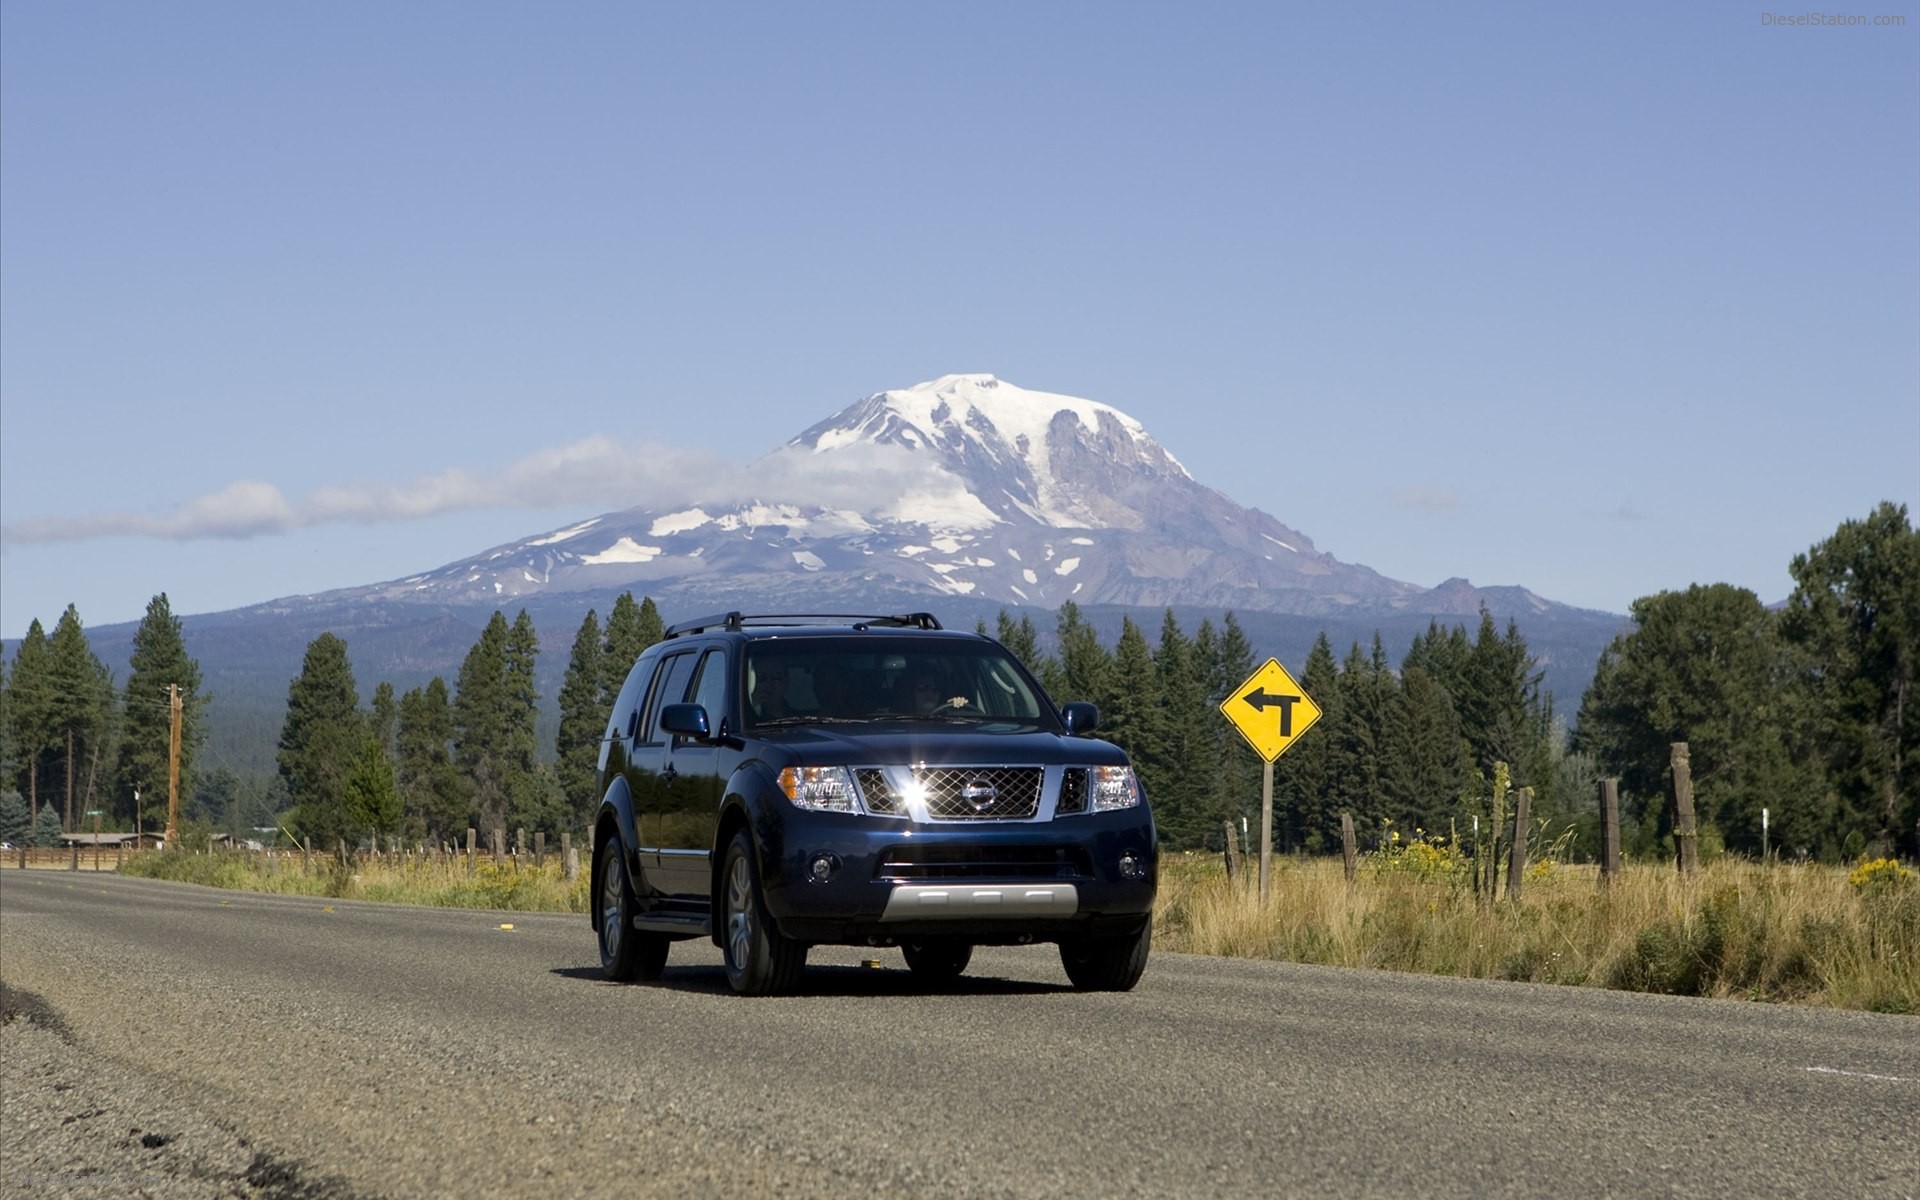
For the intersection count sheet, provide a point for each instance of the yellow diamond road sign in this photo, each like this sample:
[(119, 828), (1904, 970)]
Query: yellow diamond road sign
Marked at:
[(1270, 710)]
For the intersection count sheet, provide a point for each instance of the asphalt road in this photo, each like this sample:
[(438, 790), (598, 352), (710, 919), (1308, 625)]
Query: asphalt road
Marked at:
[(180, 1041)]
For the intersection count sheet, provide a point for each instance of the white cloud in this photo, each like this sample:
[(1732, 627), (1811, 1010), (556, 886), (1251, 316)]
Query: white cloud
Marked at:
[(597, 472)]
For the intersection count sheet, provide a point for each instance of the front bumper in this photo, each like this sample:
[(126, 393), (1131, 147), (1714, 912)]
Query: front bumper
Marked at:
[(980, 881)]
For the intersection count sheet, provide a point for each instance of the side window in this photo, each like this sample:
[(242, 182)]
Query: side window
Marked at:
[(710, 690), (674, 674), (626, 709)]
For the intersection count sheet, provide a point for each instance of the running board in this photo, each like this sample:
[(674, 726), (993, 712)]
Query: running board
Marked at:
[(675, 924)]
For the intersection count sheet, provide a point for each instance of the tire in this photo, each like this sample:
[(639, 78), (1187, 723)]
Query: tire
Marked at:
[(937, 961), (760, 961), (1107, 964), (626, 954)]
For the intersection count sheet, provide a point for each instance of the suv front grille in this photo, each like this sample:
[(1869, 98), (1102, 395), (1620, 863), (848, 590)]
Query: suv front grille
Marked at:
[(970, 793), (1007, 864), (879, 794)]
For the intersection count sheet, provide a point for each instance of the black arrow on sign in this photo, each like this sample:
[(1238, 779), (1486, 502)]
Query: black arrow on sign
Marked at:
[(1260, 699)]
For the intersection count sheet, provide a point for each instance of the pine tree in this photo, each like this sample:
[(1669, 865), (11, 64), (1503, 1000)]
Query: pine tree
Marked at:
[(28, 702), (159, 662), (1185, 742), (1427, 769), (15, 824), (1134, 720), (80, 712), (577, 748), (321, 740), (433, 794), (1357, 728), (1855, 617), (46, 829), (1021, 638), (383, 720), (536, 800), (631, 629), (215, 799), (1305, 814), (9, 760), (483, 725), (372, 799), (1085, 668), (1227, 661)]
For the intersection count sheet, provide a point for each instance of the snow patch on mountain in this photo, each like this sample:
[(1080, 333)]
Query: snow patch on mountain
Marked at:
[(626, 550), (571, 531), (680, 522)]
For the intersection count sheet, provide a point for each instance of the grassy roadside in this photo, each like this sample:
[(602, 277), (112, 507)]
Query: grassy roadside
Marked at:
[(1803, 934), (429, 881)]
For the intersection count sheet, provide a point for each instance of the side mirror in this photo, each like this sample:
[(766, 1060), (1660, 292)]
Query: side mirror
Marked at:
[(1079, 716), (686, 720)]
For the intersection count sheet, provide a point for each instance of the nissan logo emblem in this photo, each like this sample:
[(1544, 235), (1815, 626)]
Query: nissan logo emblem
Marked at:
[(980, 794)]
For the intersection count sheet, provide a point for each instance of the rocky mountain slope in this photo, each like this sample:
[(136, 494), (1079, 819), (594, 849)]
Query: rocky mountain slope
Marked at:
[(964, 486)]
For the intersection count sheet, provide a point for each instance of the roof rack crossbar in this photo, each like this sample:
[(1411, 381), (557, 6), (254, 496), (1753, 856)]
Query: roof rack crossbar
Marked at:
[(733, 622)]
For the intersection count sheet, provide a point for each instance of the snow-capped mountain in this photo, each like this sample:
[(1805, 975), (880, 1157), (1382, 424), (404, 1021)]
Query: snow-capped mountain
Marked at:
[(962, 486)]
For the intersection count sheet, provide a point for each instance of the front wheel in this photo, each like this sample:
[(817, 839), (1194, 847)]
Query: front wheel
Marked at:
[(760, 961), (1107, 964), (626, 954)]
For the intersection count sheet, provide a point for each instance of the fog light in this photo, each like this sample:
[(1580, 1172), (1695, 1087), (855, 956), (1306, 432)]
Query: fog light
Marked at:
[(1132, 866), (822, 867)]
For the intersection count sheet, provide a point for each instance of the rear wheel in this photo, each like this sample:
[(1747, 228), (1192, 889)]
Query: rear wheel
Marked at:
[(1107, 964), (760, 961), (626, 954), (938, 961)]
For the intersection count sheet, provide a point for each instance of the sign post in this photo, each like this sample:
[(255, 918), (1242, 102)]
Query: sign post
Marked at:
[(1271, 711)]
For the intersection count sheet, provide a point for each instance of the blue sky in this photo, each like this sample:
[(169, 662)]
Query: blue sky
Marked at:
[(1597, 300)]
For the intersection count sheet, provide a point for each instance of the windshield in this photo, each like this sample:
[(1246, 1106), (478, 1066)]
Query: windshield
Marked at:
[(871, 679)]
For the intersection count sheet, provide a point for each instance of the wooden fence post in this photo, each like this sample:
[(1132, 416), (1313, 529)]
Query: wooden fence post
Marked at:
[(1348, 848), (1517, 853), (569, 863), (1609, 830), (1683, 826), (1233, 849), (539, 849), (472, 836), (499, 847)]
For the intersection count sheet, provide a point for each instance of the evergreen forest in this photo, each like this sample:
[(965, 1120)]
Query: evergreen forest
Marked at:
[(1800, 722)]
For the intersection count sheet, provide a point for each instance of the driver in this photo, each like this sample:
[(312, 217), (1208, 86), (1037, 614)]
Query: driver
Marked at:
[(931, 693)]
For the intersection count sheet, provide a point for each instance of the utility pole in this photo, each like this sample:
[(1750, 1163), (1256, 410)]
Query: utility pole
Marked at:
[(173, 763)]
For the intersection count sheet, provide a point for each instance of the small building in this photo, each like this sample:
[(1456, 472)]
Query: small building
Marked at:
[(146, 840)]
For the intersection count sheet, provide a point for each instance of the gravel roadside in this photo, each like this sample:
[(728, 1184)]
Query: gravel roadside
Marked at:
[(77, 1126)]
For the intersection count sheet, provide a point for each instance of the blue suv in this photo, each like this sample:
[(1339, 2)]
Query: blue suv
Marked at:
[(784, 781)]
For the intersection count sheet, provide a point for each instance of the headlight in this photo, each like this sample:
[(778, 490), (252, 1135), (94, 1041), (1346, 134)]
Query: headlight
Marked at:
[(1114, 787), (827, 789)]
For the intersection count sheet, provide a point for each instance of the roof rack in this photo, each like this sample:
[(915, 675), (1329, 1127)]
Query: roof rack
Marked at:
[(733, 622)]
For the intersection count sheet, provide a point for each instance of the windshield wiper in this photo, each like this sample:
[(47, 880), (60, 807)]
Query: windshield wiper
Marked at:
[(815, 719)]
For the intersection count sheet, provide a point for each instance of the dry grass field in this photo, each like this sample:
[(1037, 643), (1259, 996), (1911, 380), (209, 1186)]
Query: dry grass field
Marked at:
[(1805, 934)]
